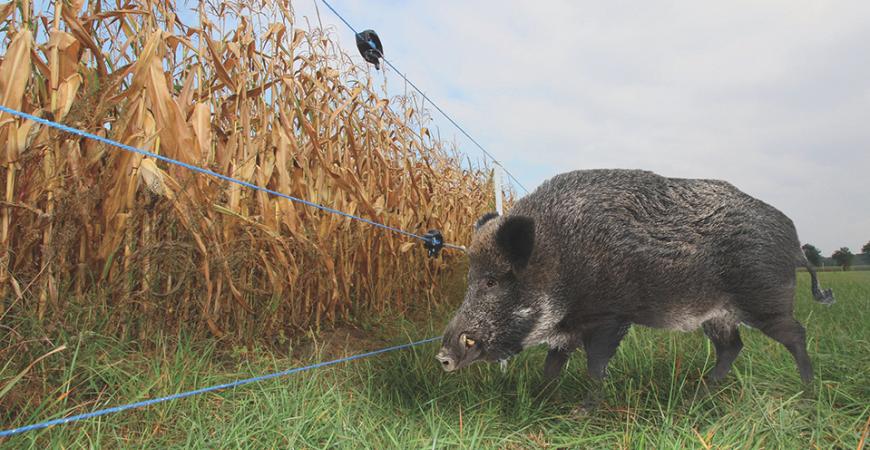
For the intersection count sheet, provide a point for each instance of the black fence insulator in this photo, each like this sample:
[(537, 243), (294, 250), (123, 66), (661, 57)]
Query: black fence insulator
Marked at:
[(369, 45), (434, 242)]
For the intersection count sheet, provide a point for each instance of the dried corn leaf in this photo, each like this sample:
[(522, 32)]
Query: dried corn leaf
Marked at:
[(154, 178), (15, 71), (66, 95)]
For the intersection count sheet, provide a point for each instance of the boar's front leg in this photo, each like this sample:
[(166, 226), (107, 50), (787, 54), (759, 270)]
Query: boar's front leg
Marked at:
[(556, 359), (600, 343), (553, 365)]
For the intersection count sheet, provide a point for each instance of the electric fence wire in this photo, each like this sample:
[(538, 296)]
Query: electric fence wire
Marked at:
[(438, 108), (205, 171), (234, 384)]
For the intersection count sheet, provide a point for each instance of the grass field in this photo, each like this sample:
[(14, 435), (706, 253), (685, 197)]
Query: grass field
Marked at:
[(403, 400)]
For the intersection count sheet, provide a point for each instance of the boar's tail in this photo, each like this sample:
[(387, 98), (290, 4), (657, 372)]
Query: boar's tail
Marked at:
[(825, 296)]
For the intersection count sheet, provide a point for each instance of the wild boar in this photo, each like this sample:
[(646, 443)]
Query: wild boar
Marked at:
[(591, 252)]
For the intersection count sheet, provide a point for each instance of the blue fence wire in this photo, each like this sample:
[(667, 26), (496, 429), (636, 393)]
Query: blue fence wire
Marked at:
[(205, 171), (438, 108), (144, 403), (218, 387), (237, 383)]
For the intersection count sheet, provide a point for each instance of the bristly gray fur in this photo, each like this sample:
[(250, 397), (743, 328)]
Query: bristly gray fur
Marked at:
[(591, 252)]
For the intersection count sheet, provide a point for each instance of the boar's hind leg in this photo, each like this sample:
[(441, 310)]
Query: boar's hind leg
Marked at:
[(790, 333), (726, 338)]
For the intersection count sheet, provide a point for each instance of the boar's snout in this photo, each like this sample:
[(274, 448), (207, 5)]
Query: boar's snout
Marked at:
[(447, 362), (458, 351)]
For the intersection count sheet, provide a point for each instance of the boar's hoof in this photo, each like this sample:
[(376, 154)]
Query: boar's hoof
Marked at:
[(580, 411), (710, 385), (589, 405)]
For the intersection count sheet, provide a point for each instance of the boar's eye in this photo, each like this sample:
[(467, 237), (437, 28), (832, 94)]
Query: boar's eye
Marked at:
[(490, 282)]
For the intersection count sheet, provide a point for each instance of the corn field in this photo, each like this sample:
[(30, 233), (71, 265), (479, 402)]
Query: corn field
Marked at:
[(245, 91)]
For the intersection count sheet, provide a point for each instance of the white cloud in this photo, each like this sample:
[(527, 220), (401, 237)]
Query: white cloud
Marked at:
[(773, 96)]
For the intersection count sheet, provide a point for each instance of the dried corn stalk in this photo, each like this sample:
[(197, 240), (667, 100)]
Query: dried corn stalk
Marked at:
[(246, 92)]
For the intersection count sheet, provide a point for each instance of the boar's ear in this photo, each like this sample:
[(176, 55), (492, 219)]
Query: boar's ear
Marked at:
[(484, 219), (516, 239)]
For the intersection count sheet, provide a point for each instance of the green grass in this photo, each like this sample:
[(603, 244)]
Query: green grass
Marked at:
[(403, 400)]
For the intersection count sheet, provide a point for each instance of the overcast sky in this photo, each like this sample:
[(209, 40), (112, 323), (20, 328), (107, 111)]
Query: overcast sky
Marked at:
[(772, 96)]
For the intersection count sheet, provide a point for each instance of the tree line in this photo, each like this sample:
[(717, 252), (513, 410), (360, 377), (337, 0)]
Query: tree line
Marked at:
[(842, 257)]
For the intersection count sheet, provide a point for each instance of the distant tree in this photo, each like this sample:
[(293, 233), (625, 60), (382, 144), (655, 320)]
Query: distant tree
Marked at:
[(865, 254), (814, 256), (843, 257)]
